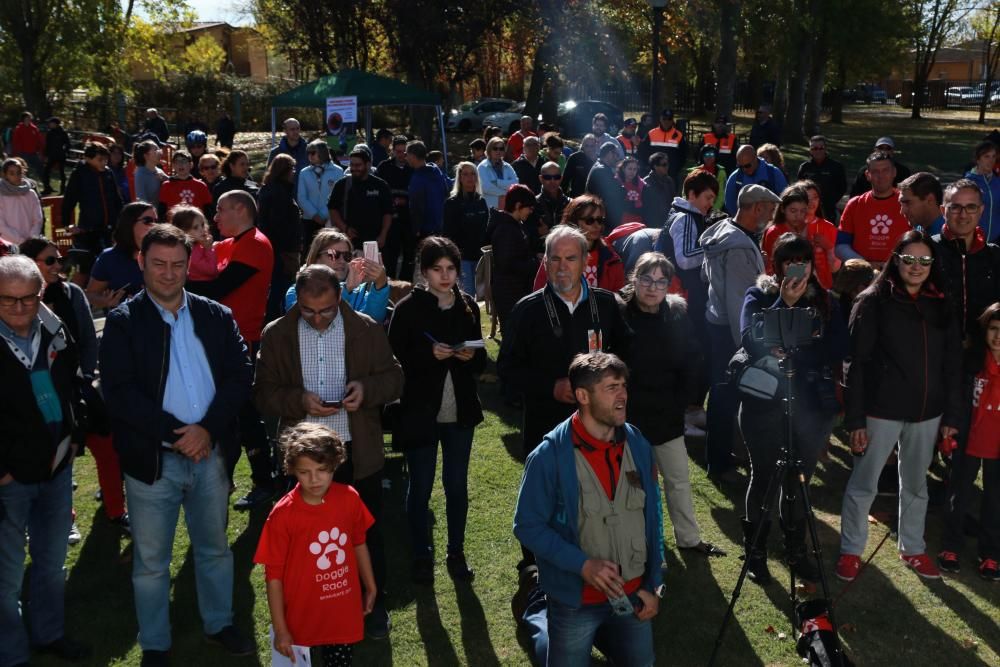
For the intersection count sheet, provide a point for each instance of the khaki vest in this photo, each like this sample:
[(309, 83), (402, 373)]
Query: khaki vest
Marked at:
[(613, 530)]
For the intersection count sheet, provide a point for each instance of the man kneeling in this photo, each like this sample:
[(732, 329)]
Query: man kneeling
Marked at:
[(589, 510)]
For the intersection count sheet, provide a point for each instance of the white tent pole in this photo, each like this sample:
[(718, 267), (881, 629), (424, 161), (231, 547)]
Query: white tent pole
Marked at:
[(444, 140), (274, 125)]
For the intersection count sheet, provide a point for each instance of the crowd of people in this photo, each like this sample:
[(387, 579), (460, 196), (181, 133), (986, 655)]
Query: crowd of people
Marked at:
[(291, 321)]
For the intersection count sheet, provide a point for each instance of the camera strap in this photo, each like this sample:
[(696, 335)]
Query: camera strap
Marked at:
[(553, 315)]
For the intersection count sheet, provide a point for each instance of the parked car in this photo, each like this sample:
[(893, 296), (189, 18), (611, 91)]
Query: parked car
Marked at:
[(866, 93), (509, 121), (574, 118), (974, 95), (954, 96), (470, 115)]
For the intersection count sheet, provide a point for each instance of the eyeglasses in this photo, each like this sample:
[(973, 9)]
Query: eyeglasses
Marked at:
[(147, 220), (592, 219), (551, 177), (52, 259), (338, 254), (910, 260), (969, 209), (27, 301), (659, 285), (326, 313)]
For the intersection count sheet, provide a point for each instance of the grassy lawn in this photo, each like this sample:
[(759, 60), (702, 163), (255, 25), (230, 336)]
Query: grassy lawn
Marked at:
[(889, 617)]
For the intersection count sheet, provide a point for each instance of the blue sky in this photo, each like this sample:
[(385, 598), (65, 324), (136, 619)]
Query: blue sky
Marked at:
[(219, 10)]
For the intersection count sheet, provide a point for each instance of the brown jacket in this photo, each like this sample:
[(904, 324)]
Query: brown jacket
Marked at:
[(278, 386)]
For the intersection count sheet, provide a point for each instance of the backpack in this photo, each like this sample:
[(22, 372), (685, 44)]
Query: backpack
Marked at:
[(484, 277)]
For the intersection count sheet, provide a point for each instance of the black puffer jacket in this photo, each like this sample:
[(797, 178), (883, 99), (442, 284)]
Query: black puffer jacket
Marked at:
[(973, 277), (905, 360), (514, 261), (664, 360), (465, 220)]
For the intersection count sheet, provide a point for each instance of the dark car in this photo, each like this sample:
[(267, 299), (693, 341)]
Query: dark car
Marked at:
[(575, 117)]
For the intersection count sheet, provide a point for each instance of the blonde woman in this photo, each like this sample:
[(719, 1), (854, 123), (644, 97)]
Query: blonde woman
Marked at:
[(465, 217)]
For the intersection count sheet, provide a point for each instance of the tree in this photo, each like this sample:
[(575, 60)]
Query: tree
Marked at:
[(729, 17), (935, 21), (203, 57), (986, 24)]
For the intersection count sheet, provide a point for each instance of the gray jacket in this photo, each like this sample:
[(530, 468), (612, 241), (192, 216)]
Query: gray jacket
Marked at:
[(731, 265)]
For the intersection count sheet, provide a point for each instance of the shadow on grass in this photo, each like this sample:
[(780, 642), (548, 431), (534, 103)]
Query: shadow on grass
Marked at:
[(983, 625), (475, 632), (438, 645)]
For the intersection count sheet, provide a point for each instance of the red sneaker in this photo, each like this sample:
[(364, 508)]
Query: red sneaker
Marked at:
[(848, 566), (989, 569), (947, 561), (922, 565)]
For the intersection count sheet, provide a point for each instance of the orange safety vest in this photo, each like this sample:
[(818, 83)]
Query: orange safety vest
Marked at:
[(660, 138), (724, 144), (629, 145)]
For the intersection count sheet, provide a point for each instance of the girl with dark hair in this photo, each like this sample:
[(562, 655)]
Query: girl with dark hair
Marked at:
[(903, 384), (440, 402), (67, 300), (604, 267), (148, 175), (279, 220), (116, 274), (978, 446), (664, 360), (793, 285), (235, 176), (789, 216), (117, 163), (797, 213), (627, 173), (514, 261)]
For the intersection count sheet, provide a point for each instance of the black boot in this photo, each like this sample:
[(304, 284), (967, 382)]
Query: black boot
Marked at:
[(756, 556), (797, 555)]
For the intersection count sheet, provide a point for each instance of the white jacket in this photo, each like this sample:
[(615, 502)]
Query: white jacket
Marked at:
[(20, 216)]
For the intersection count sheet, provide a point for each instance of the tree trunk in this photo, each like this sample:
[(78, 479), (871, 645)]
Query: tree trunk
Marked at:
[(917, 100), (704, 77), (32, 87), (817, 79), (539, 76), (779, 103), (729, 14), (837, 112), (792, 128)]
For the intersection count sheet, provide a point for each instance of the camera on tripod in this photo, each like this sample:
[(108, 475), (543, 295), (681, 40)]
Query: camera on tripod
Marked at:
[(787, 328)]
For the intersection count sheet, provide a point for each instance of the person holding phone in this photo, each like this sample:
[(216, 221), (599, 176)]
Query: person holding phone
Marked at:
[(440, 402), (793, 285), (116, 275)]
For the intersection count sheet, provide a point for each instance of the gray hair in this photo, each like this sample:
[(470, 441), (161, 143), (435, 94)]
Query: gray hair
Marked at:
[(560, 232), (650, 261), (18, 268), (456, 189), (289, 121)]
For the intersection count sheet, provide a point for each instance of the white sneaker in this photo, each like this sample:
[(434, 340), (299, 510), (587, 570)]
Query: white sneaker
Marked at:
[(74, 534), (691, 431), (696, 418)]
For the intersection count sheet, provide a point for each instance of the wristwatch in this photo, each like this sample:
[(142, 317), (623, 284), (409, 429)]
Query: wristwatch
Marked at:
[(660, 590)]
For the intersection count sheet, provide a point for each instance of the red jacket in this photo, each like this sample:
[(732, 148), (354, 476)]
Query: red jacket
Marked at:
[(26, 139)]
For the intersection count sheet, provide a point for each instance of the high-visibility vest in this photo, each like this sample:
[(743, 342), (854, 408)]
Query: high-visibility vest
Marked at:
[(629, 144), (660, 138), (724, 144)]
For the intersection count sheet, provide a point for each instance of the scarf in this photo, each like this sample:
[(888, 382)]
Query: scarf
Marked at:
[(8, 190)]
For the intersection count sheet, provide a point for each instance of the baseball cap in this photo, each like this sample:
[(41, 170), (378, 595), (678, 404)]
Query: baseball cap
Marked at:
[(885, 141), (755, 194), (667, 113), (606, 147), (631, 121)]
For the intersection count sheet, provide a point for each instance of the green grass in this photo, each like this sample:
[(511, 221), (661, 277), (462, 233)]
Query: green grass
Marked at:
[(891, 617)]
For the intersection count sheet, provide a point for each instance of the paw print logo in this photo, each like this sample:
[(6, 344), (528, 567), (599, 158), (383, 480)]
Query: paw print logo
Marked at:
[(327, 543), (880, 224)]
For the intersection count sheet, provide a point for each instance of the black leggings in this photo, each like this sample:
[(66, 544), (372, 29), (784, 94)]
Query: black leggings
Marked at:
[(337, 655)]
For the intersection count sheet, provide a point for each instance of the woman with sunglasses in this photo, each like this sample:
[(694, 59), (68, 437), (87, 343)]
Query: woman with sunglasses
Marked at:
[(664, 361), (116, 274), (794, 284), (68, 301), (364, 286), (604, 267), (903, 384), (495, 174)]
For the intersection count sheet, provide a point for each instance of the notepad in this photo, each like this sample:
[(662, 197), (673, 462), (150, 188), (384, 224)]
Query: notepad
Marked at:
[(301, 653)]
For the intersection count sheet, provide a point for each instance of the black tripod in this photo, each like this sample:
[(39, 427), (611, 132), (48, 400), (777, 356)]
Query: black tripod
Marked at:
[(787, 464)]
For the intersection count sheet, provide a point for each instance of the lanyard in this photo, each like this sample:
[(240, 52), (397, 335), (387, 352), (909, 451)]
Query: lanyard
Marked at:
[(550, 309)]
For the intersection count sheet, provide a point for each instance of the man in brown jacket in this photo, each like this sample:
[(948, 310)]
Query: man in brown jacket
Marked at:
[(325, 363)]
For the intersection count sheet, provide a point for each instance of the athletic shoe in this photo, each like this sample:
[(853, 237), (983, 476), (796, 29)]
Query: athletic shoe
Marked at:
[(378, 624), (233, 641), (123, 524), (989, 569), (256, 496), (922, 565), (74, 534), (848, 566), (948, 561)]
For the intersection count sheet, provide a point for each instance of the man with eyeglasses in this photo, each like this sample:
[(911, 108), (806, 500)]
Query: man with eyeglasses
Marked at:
[(971, 265), (825, 172), (39, 363), (578, 166), (322, 362), (751, 170), (175, 374), (872, 222), (549, 207)]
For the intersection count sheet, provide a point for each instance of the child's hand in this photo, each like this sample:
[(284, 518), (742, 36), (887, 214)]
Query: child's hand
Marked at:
[(283, 644), (369, 600)]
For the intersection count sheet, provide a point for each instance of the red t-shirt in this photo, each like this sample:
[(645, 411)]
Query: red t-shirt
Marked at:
[(516, 143), (248, 301), (818, 228), (876, 225), (310, 548), (187, 191), (984, 435), (606, 460)]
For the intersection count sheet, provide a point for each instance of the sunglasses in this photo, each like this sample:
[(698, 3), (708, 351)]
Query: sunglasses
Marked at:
[(551, 177), (147, 220), (497, 149), (910, 260), (593, 219), (338, 254), (49, 261), (748, 165)]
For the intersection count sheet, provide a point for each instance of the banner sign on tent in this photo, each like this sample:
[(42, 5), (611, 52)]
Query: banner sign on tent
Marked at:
[(346, 107)]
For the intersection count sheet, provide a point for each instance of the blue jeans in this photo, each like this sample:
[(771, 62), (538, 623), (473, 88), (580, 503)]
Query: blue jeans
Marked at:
[(625, 640), (203, 490), (45, 511), (723, 401), (421, 459), (469, 276)]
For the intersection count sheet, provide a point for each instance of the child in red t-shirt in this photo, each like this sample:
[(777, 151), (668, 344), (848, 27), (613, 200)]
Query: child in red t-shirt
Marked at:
[(981, 446), (182, 187), (314, 553), (203, 264)]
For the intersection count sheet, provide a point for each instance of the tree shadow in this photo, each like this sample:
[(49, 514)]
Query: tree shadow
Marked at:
[(984, 626)]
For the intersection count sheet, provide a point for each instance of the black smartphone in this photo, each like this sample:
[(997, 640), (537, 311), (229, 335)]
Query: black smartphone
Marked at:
[(796, 271), (332, 404)]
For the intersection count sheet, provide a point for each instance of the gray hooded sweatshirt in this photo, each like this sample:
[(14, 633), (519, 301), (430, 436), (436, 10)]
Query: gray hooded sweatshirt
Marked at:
[(731, 265)]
